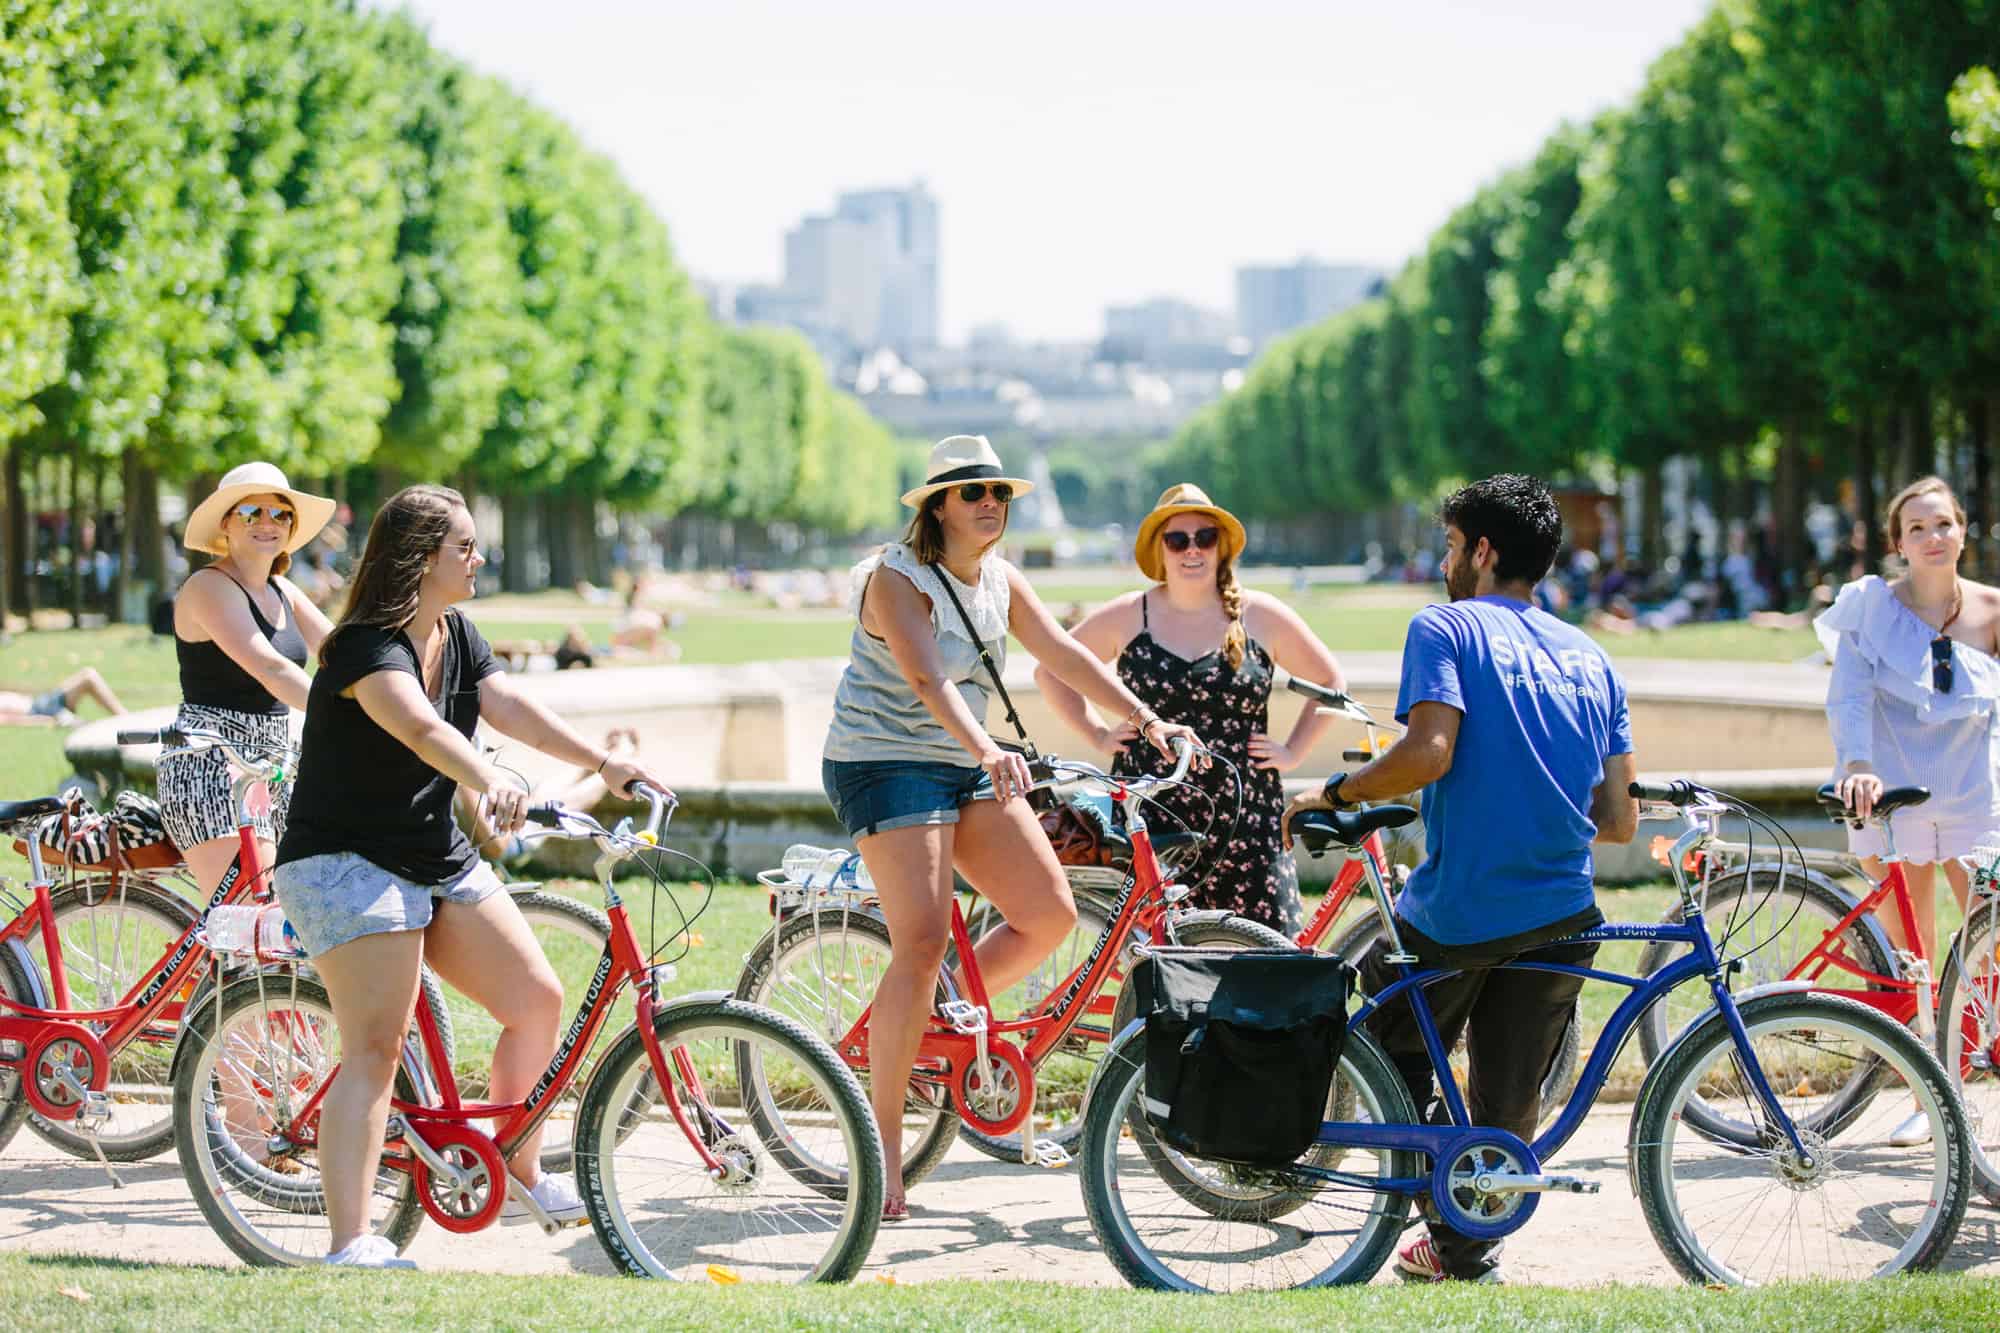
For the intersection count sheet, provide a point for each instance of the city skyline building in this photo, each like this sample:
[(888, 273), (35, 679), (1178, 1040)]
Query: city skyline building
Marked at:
[(867, 271), (1274, 299)]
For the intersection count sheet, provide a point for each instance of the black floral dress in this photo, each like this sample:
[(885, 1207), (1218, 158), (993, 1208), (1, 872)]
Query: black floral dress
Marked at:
[(1244, 866)]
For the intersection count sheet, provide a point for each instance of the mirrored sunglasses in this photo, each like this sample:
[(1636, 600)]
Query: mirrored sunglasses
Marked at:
[(250, 513), (975, 491), (1203, 538)]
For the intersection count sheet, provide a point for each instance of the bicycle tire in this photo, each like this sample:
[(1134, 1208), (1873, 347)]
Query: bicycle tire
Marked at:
[(1083, 1047), (1928, 1183), (247, 1201), (1557, 1084), (16, 986), (1118, 1182), (575, 928), (1968, 1026), (860, 935), (141, 1071), (607, 1139), (1801, 915)]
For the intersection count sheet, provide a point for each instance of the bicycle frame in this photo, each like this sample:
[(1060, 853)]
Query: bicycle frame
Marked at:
[(1894, 996), (1442, 1142), (1346, 882), (158, 998)]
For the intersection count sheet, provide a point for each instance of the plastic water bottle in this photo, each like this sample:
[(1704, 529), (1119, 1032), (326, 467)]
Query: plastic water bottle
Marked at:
[(232, 928), (820, 867), (275, 937)]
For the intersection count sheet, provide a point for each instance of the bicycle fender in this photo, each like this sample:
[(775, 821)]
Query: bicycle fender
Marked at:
[(36, 996)]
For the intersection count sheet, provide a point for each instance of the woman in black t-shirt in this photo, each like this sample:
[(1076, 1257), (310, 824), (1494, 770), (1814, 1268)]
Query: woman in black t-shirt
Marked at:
[(375, 875)]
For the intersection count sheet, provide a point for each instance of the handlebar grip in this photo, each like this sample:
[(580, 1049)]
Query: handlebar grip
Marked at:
[(1678, 792), (1357, 756), (1319, 692), (548, 814)]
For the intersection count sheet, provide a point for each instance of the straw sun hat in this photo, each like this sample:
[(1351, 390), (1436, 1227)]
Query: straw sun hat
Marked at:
[(957, 459), (1185, 498), (204, 526)]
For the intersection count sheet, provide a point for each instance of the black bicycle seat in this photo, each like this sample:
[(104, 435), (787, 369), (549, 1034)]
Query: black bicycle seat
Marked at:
[(1890, 801), (1320, 829), (21, 812)]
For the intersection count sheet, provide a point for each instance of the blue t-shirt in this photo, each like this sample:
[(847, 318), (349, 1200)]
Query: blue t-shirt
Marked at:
[(1507, 831)]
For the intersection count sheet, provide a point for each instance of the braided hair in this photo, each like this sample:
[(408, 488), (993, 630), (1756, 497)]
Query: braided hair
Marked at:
[(1236, 641)]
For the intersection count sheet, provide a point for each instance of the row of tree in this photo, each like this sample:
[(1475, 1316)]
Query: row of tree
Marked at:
[(294, 230), (1782, 259)]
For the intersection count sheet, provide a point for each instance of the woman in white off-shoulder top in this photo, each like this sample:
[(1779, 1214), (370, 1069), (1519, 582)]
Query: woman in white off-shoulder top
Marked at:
[(1912, 700)]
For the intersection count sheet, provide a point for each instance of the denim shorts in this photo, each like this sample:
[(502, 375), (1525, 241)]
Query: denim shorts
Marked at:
[(337, 897), (876, 795)]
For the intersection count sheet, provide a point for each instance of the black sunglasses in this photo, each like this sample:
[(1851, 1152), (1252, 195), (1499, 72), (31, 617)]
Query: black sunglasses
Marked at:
[(1941, 664), (1203, 538), (251, 513), (975, 491)]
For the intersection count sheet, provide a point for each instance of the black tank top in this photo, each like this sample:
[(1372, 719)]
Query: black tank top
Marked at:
[(211, 678)]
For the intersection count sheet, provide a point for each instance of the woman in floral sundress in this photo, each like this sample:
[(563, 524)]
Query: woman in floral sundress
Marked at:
[(1201, 651)]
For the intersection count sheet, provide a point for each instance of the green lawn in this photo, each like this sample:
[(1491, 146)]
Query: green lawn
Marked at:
[(63, 1293)]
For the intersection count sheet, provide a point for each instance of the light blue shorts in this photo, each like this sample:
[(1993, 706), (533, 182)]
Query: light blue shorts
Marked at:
[(338, 897)]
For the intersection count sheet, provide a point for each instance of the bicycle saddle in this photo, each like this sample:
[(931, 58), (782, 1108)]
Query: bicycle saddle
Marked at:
[(1890, 801), (1320, 829), (20, 812)]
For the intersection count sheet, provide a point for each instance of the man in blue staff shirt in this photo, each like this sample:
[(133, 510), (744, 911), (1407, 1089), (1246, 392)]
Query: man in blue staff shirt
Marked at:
[(1518, 733)]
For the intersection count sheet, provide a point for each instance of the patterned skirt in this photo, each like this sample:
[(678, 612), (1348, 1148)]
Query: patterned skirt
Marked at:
[(194, 788)]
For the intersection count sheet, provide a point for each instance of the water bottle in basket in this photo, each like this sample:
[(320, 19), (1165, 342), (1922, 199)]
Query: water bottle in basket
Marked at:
[(826, 868)]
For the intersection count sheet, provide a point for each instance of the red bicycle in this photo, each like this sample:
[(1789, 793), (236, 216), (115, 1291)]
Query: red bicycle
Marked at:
[(684, 1170), (93, 1076), (823, 959)]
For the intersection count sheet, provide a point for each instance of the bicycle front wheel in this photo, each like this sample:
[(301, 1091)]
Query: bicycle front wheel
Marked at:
[(1853, 1205), (1968, 1036), (658, 1210), (243, 1072), (1334, 1232), (13, 1101)]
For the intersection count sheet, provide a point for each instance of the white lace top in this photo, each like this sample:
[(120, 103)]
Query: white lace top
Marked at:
[(1883, 709), (876, 715)]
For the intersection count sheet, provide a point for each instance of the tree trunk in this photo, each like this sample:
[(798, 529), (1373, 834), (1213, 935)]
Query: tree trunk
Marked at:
[(517, 533), (1788, 510), (1866, 499), (149, 541), (75, 535), (121, 577), (1653, 518), (1986, 546)]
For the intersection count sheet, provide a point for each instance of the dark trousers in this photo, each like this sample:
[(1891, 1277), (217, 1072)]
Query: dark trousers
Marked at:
[(1512, 1020)]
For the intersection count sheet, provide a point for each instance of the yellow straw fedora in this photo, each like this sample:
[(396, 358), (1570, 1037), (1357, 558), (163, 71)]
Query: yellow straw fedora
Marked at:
[(1184, 498), (957, 459)]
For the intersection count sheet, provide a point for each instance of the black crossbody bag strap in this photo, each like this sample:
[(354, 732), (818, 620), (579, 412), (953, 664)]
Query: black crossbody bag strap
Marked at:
[(992, 672)]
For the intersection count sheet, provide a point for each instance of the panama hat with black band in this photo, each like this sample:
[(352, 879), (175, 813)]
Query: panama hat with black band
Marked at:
[(1183, 498), (204, 526), (959, 459)]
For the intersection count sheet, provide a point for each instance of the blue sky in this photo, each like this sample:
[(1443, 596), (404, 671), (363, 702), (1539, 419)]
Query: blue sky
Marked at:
[(1082, 153)]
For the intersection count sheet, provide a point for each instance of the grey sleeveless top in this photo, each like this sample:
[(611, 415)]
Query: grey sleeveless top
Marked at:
[(876, 715)]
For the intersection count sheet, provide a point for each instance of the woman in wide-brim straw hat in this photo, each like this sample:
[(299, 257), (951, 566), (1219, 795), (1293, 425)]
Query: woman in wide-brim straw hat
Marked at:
[(1199, 649), (916, 778), (242, 632)]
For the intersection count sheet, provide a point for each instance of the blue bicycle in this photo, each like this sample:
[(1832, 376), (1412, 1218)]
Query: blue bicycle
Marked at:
[(1815, 1189)]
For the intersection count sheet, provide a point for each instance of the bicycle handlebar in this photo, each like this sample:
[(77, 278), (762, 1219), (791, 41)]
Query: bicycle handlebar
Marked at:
[(174, 741), (1679, 792), (1058, 769)]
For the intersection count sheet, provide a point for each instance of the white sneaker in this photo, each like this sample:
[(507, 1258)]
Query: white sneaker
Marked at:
[(558, 1199), (368, 1252), (1912, 1132)]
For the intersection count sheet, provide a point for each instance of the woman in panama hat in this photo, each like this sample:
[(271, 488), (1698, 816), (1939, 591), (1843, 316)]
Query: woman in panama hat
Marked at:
[(242, 632), (1199, 649), (913, 774)]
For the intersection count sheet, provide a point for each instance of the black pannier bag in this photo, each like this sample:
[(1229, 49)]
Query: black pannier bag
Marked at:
[(1241, 1047)]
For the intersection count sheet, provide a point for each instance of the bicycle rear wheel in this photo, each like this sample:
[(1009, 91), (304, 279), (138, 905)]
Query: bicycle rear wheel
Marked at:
[(821, 972), (1968, 1037), (657, 1209), (1855, 1206), (13, 1102), (1333, 1233), (239, 1081), (572, 936), (114, 930)]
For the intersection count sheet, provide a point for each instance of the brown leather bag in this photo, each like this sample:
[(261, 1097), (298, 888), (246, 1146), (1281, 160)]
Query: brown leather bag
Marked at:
[(1076, 836)]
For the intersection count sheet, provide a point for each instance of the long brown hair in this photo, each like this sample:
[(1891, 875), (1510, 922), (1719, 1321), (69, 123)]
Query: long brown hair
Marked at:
[(925, 535), (406, 535), (1237, 640)]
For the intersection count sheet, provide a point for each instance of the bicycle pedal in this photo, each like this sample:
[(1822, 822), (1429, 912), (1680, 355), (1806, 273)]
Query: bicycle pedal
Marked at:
[(95, 1112), (1573, 1185), (966, 1019), (1052, 1155)]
